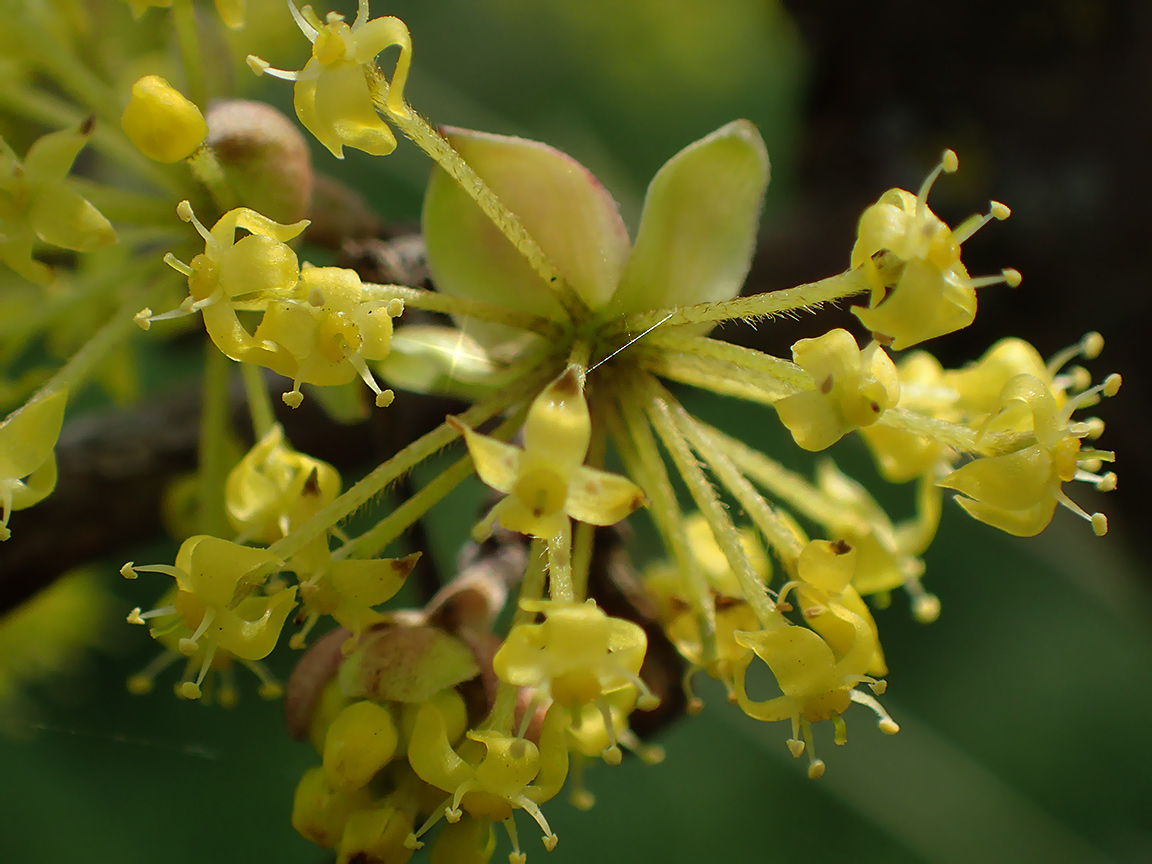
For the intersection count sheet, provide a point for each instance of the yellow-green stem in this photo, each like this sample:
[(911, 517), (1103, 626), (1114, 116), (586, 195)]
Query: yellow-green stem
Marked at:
[(213, 451), (750, 308), (638, 451), (789, 486), (712, 374), (259, 401), (184, 20), (784, 371), (376, 539), (503, 712), (583, 536), (387, 472), (776, 530), (206, 168), (436, 145), (709, 504)]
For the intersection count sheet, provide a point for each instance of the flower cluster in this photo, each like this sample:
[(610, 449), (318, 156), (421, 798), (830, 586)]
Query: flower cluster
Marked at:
[(569, 336)]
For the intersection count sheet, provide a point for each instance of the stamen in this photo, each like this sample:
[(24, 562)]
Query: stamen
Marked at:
[(1098, 520), (1008, 276), (970, 226), (610, 754), (841, 729), (188, 647), (948, 164), (191, 689), (886, 724), (361, 14), (650, 754), (144, 680), (815, 766), (1109, 388), (695, 704), (533, 809), (177, 265), (262, 67), (184, 211), (517, 857), (412, 841), (136, 617), (1089, 347), (269, 687), (925, 606), (580, 797), (309, 29), (384, 398), (795, 745)]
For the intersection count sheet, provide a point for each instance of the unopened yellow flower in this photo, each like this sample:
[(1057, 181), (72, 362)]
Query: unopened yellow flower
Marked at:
[(547, 481), (851, 389), (332, 95), (361, 740), (215, 582), (1018, 492), (377, 834), (161, 122), (911, 259), (38, 202), (320, 813), (27, 455)]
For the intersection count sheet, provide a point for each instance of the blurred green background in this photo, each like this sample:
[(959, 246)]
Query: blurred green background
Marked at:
[(1024, 709)]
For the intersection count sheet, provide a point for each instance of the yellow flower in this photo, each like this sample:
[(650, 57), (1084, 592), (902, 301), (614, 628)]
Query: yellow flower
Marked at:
[(38, 202), (547, 481), (575, 657), (331, 95), (852, 388), (1018, 492), (911, 260), (327, 337), (27, 458), (232, 273), (815, 682), (510, 773), (215, 582), (274, 489)]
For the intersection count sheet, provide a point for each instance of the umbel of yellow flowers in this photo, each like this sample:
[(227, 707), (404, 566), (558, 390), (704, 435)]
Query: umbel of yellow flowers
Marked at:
[(569, 326)]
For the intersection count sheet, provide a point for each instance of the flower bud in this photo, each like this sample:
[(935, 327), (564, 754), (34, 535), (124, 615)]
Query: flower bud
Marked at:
[(264, 157), (161, 123)]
